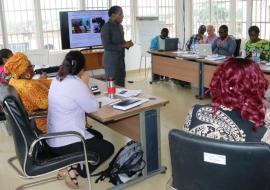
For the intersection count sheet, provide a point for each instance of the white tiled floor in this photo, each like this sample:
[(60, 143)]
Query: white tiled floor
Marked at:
[(172, 116)]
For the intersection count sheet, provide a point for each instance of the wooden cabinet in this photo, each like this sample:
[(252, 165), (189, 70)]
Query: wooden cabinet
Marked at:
[(93, 59)]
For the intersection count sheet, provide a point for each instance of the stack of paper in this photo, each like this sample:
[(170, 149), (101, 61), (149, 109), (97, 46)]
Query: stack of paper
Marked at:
[(215, 57), (126, 93), (264, 62), (181, 52), (194, 56)]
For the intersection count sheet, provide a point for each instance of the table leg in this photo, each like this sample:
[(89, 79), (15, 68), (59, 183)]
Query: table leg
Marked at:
[(200, 94), (150, 140)]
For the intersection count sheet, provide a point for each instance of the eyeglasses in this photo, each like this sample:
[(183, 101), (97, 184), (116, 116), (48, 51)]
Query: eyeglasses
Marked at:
[(32, 66), (222, 32)]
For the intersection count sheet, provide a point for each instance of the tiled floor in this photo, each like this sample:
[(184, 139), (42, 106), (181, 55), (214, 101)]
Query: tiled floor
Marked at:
[(172, 116)]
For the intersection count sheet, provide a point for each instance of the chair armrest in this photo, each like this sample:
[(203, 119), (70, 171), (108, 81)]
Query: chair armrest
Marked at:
[(62, 134), (38, 114)]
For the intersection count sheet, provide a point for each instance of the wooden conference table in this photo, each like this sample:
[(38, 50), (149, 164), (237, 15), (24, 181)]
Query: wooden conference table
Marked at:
[(93, 59), (142, 124), (188, 68)]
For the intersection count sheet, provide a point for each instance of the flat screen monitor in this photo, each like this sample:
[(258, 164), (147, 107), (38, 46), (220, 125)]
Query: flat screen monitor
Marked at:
[(171, 44), (81, 29)]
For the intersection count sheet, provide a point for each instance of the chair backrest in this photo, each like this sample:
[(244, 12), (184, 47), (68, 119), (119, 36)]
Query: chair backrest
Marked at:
[(200, 163), (237, 49), (39, 57), (23, 133)]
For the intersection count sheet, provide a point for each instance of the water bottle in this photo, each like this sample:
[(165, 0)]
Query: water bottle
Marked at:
[(179, 46), (253, 55), (192, 48), (196, 48), (111, 88), (243, 53), (256, 56)]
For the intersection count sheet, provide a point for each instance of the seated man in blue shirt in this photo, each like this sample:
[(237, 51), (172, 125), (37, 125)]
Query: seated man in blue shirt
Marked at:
[(158, 42), (224, 44)]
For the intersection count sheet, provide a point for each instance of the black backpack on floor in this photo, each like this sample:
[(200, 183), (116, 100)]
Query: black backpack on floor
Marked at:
[(127, 164)]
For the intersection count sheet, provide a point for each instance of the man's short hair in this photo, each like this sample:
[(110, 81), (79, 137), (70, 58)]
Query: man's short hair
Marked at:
[(224, 27), (165, 30), (202, 27), (114, 10)]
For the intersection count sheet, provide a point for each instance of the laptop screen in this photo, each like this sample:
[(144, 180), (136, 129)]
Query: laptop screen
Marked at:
[(171, 44), (204, 50)]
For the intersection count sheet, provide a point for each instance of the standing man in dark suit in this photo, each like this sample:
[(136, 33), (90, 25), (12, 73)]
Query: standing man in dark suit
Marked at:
[(112, 36)]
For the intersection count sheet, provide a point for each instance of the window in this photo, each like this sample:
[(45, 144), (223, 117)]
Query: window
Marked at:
[(241, 20), (164, 9), (167, 15), (261, 16), (50, 18), (126, 6), (147, 8), (20, 24), (1, 37), (216, 12), (201, 14), (220, 12), (97, 4)]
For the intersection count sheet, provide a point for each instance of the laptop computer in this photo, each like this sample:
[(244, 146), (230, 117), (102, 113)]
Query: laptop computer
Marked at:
[(171, 44), (204, 50)]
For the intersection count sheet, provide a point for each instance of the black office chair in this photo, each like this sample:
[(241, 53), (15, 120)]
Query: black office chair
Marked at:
[(200, 163), (237, 49), (32, 152), (4, 124)]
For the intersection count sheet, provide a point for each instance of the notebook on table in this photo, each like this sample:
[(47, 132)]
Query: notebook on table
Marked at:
[(129, 103)]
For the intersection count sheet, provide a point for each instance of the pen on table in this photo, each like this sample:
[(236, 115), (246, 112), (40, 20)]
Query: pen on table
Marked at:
[(99, 104)]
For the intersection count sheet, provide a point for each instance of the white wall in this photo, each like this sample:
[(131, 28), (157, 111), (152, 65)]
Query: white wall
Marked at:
[(44, 58), (132, 58)]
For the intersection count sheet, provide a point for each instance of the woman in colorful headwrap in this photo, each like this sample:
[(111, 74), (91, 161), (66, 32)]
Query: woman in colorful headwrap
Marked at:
[(4, 55), (33, 93)]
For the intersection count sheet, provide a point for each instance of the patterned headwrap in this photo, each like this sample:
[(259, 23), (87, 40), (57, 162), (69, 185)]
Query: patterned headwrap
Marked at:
[(17, 65)]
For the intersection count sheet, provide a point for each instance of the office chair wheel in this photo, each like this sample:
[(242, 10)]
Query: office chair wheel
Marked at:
[(150, 82)]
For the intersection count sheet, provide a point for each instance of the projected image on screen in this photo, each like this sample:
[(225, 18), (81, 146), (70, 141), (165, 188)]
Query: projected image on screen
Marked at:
[(81, 25), (98, 22), (82, 28)]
